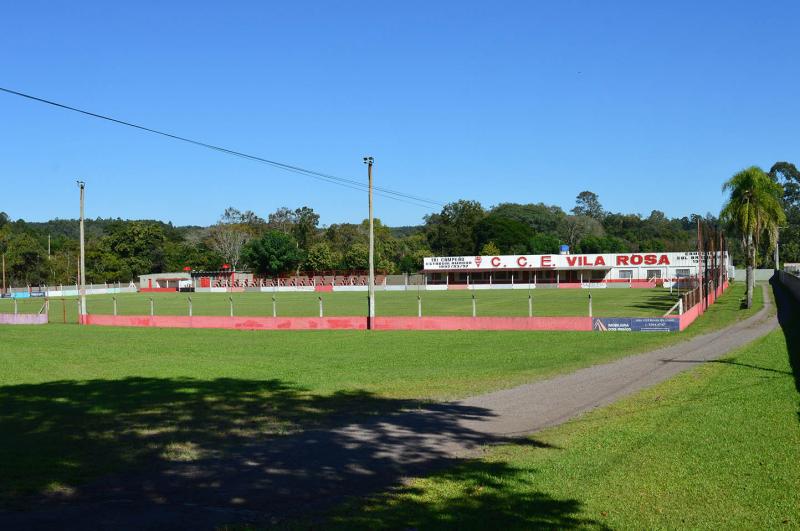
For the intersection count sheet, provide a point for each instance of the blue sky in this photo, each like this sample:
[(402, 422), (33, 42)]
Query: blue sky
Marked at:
[(652, 105)]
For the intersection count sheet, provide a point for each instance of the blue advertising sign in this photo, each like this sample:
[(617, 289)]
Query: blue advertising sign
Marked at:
[(636, 324)]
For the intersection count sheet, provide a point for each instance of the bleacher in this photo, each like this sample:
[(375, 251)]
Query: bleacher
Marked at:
[(306, 280)]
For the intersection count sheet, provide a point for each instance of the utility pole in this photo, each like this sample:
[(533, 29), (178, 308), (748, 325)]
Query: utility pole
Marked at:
[(48, 247), (371, 284), (4, 272), (82, 292)]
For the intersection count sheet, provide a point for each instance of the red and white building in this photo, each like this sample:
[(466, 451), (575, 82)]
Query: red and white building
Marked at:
[(565, 270)]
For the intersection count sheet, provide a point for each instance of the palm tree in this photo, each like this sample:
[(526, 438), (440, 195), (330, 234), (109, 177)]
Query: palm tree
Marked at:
[(753, 209)]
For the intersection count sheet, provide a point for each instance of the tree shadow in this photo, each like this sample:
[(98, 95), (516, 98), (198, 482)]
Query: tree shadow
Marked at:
[(178, 452), (789, 318), (471, 495), (729, 361), (656, 302)]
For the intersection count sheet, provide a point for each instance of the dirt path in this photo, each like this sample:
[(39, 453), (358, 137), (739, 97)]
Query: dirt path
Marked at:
[(303, 474)]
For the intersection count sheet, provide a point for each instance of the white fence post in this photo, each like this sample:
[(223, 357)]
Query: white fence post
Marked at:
[(474, 312)]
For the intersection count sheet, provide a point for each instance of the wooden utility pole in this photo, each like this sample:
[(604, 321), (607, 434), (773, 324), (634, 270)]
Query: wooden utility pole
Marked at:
[(82, 292), (371, 284), (4, 272)]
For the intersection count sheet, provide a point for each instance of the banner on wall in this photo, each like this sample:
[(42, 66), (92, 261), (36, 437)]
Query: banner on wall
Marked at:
[(635, 324)]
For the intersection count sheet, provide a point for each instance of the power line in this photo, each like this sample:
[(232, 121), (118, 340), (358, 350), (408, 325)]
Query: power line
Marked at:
[(333, 179)]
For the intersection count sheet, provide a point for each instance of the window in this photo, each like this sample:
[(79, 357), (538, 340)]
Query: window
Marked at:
[(683, 273), (653, 273), (626, 274)]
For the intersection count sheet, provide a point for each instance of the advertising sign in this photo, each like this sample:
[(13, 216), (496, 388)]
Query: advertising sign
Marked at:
[(636, 324), (559, 261)]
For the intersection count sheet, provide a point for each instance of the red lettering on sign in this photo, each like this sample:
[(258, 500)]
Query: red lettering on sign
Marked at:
[(522, 261), (636, 259), (622, 260), (650, 259), (599, 261), (571, 260), (495, 261), (546, 261), (663, 260)]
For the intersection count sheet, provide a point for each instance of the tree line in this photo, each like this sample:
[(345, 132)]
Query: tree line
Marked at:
[(288, 241)]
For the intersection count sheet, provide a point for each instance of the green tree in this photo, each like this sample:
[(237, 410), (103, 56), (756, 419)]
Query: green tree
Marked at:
[(788, 176), (305, 224), (450, 232), (130, 249), (543, 244), (490, 249), (588, 204), (508, 235), (356, 257), (273, 254), (752, 210), (538, 217), (322, 258)]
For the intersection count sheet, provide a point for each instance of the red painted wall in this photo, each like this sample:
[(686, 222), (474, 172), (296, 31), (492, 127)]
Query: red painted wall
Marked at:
[(345, 323), (158, 290), (237, 323), (483, 323)]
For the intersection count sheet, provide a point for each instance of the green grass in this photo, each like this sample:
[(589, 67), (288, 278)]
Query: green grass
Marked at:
[(76, 402), (717, 447), (546, 302)]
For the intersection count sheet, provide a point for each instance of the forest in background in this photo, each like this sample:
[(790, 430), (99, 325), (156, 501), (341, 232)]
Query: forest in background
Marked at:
[(292, 240)]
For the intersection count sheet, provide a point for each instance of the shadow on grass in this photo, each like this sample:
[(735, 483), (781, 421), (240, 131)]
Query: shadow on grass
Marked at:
[(789, 319), (656, 302), (472, 495), (731, 361), (174, 452)]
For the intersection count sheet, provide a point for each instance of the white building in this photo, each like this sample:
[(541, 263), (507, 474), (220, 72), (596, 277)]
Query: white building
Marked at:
[(568, 270)]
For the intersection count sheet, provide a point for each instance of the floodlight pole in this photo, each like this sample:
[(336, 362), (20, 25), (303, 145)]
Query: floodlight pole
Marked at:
[(371, 284), (82, 292)]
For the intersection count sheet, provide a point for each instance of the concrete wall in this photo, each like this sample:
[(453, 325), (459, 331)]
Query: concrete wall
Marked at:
[(762, 275), (23, 318)]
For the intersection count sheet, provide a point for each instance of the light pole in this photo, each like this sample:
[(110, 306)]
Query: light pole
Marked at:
[(82, 292), (371, 283), (777, 245)]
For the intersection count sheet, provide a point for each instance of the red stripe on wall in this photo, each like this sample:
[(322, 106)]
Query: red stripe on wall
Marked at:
[(483, 323), (345, 323)]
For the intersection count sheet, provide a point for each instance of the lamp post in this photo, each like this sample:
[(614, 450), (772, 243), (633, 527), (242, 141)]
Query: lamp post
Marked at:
[(777, 251), (82, 292), (371, 283)]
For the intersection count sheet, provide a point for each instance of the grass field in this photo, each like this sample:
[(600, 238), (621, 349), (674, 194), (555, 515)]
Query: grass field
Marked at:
[(715, 448), (77, 402), (546, 302)]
